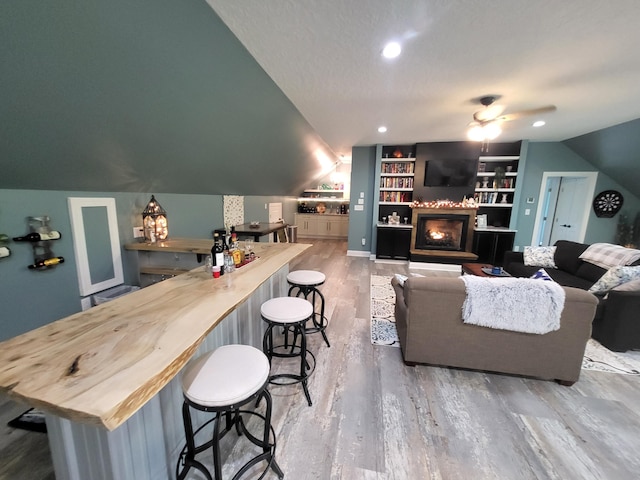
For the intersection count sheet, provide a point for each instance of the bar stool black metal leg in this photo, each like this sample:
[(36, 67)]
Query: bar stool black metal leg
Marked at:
[(303, 363), (267, 430), (190, 450), (321, 325)]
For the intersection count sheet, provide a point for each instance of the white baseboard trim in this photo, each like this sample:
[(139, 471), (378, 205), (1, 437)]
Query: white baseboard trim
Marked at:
[(442, 267), (388, 260), (358, 253)]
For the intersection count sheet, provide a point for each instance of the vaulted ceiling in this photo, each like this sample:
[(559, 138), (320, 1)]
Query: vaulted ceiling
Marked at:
[(579, 55), (257, 97)]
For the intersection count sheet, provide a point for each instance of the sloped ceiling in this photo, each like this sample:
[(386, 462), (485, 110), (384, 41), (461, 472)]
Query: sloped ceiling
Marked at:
[(143, 96), (615, 151), (580, 55), (164, 96)]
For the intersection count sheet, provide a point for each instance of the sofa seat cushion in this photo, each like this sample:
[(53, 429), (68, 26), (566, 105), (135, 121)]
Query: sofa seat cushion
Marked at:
[(568, 280), (559, 276), (567, 255)]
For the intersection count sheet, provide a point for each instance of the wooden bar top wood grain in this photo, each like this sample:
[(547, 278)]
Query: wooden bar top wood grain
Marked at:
[(100, 366)]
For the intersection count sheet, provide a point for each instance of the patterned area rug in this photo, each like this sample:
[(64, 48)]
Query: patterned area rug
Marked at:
[(383, 332), (383, 323)]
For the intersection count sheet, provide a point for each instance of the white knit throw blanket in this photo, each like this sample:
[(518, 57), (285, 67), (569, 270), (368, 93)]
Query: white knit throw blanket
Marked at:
[(518, 304)]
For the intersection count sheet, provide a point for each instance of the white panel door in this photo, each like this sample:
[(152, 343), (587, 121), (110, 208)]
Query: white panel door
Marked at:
[(567, 221)]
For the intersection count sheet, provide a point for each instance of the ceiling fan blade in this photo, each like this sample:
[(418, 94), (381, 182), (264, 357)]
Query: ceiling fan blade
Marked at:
[(526, 113), (488, 113)]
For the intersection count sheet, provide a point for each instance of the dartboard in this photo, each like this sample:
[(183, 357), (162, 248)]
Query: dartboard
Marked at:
[(607, 203)]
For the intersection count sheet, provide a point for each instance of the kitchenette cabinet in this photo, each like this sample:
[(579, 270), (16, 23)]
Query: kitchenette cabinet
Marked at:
[(322, 225)]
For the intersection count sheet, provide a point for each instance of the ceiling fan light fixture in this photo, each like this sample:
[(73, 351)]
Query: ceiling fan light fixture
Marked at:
[(475, 133), (491, 131), (483, 133)]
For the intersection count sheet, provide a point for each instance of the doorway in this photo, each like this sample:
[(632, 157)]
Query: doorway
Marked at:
[(564, 206)]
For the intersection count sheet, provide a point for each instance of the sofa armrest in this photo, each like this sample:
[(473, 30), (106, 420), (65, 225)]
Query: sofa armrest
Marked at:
[(399, 290), (616, 325), (512, 257)]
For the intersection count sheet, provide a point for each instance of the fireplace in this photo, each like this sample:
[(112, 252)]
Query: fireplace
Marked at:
[(444, 234), (441, 232)]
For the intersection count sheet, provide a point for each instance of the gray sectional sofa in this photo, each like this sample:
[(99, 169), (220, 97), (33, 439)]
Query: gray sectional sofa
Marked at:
[(616, 324), (428, 314)]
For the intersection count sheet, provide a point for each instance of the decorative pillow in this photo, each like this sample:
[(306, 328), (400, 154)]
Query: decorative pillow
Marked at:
[(541, 275), (614, 277), (606, 255), (401, 279), (632, 286), (539, 257)]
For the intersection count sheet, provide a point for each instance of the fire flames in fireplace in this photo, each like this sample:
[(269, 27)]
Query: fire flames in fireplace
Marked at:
[(444, 233), (440, 232)]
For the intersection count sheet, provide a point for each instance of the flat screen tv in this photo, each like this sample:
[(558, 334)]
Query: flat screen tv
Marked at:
[(450, 172)]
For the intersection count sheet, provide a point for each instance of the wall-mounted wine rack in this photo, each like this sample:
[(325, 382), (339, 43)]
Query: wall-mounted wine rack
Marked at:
[(4, 249), (40, 236)]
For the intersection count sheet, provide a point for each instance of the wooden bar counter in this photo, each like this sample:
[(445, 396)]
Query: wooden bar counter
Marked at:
[(106, 376)]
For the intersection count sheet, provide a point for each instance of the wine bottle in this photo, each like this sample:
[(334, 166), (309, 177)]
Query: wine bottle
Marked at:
[(47, 262), (217, 256), (37, 237), (4, 252)]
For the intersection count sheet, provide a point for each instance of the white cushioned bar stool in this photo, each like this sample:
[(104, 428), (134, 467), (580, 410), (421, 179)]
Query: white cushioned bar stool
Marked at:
[(290, 313), (306, 283), (221, 382)]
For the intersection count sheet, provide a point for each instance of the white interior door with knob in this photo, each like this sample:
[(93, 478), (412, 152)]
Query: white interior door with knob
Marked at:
[(563, 217), (567, 221)]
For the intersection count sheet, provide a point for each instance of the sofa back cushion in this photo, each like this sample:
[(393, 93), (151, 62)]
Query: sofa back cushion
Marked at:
[(567, 255), (590, 272)]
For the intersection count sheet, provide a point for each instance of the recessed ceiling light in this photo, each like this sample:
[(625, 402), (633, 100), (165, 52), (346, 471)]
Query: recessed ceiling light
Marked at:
[(391, 50), (539, 123), (382, 129)]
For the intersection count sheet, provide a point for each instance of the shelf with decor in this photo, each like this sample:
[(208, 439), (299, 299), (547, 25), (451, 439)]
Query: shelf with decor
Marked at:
[(396, 181), (323, 195), (495, 187), (323, 200)]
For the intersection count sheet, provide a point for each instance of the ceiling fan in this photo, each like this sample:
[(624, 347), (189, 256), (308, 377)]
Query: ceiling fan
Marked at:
[(486, 122)]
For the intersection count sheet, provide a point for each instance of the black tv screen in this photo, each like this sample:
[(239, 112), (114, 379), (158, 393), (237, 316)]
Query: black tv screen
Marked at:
[(450, 172)]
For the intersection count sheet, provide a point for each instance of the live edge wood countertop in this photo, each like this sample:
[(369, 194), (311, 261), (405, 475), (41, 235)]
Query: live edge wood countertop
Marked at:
[(100, 366)]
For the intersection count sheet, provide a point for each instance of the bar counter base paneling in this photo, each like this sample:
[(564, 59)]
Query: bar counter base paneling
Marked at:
[(147, 445)]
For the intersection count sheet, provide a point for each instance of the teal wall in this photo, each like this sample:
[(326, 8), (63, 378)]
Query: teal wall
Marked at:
[(30, 299), (556, 157), (135, 96), (363, 161)]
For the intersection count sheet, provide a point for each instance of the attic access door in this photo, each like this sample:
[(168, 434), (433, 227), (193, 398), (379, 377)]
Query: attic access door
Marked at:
[(563, 207)]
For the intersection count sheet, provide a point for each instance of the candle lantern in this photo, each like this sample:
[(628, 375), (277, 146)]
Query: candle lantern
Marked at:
[(154, 221)]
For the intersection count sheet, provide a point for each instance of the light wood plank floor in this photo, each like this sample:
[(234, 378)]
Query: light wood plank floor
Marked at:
[(374, 418)]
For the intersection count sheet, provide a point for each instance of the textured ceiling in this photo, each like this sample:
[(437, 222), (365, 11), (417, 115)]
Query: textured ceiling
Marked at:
[(580, 55)]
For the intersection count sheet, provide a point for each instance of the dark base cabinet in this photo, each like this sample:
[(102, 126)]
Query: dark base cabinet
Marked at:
[(490, 245), (393, 243)]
